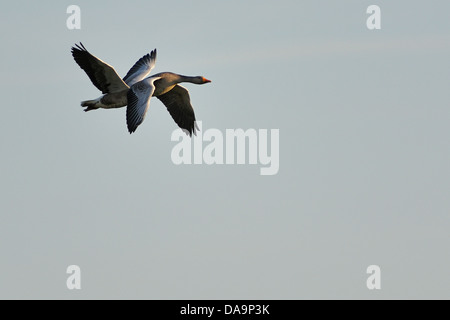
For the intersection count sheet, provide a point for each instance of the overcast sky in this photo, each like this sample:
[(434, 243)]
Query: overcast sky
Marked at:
[(363, 119)]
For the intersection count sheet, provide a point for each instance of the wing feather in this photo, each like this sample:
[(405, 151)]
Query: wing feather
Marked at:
[(102, 75), (138, 102), (178, 103), (141, 69)]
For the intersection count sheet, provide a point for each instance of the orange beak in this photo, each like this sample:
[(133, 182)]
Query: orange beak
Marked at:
[(206, 80)]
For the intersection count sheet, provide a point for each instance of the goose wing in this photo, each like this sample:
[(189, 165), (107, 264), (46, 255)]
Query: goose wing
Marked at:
[(138, 102), (102, 75), (141, 68), (178, 103)]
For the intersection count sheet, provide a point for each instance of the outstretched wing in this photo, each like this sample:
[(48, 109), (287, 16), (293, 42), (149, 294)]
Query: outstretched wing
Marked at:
[(102, 75), (138, 102), (178, 104), (141, 68)]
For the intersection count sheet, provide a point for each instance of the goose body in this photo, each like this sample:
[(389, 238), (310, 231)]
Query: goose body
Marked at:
[(136, 89)]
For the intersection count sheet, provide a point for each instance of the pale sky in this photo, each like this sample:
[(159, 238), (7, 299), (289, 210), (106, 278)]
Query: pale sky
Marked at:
[(363, 120)]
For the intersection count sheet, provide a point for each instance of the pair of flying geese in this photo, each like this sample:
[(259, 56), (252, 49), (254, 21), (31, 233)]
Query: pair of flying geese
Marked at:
[(136, 89)]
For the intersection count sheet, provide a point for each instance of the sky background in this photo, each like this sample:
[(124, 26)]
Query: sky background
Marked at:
[(364, 153)]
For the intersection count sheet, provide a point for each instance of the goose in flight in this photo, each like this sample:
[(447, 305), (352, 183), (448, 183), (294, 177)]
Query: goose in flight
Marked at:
[(136, 89)]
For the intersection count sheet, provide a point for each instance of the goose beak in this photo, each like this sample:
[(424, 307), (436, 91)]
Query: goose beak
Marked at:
[(206, 80)]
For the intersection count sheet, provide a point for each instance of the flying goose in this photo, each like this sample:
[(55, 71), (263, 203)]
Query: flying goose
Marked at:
[(136, 89)]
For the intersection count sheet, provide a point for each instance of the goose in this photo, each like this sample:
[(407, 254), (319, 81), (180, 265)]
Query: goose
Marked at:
[(136, 89)]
